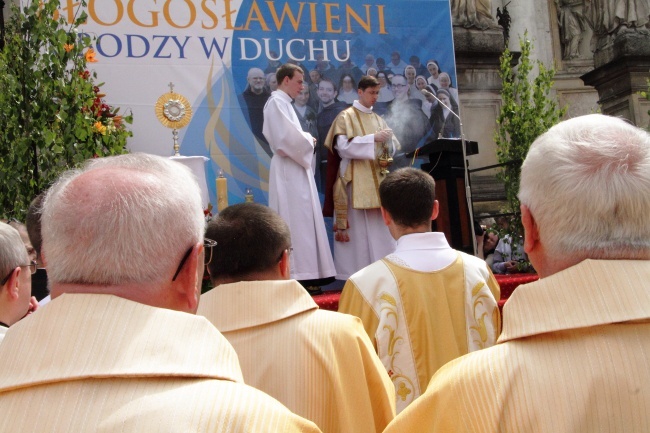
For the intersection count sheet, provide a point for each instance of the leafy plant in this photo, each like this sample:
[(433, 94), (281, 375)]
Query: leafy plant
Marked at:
[(646, 94), (52, 114), (528, 110)]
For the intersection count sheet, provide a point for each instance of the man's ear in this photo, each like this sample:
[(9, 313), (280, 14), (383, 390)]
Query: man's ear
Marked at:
[(285, 265), (436, 209), (531, 233), (187, 284), (13, 283), (386, 216)]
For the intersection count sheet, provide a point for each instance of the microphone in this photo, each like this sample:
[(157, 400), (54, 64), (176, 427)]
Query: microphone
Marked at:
[(468, 189), (426, 92)]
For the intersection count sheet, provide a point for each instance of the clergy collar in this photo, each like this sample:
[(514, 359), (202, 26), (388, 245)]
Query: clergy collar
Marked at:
[(248, 304), (591, 293), (358, 106), (284, 95), (422, 241)]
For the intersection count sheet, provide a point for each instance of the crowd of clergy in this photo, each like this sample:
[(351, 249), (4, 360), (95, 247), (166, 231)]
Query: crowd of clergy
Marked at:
[(128, 342)]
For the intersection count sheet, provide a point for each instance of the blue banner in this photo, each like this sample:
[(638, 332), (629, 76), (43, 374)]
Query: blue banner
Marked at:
[(217, 52)]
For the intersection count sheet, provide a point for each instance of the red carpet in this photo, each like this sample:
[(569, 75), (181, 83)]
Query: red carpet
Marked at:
[(508, 283)]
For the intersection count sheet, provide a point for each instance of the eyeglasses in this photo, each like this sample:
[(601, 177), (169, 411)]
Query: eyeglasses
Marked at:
[(207, 243), (32, 270), (399, 86)]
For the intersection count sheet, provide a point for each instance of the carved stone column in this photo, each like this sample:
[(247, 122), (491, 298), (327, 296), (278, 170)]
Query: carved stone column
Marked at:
[(621, 67), (479, 87)]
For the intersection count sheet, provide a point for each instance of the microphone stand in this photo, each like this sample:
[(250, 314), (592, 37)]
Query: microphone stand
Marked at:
[(468, 189)]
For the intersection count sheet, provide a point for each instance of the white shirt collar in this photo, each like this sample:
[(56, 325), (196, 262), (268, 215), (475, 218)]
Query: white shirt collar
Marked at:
[(422, 241), (356, 104), (283, 95)]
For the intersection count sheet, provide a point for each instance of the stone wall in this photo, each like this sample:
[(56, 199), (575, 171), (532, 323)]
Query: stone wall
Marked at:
[(596, 70)]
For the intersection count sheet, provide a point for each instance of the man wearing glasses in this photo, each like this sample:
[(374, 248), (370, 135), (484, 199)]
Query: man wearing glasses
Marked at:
[(254, 97), (16, 300), (123, 242), (320, 364)]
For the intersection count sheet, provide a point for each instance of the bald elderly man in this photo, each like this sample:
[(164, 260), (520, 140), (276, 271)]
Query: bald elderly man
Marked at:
[(124, 246)]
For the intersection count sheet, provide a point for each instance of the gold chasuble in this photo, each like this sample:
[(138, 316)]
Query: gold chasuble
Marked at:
[(365, 175), (417, 331)]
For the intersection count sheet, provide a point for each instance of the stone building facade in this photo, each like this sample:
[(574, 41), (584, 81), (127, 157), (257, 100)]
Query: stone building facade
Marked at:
[(600, 50)]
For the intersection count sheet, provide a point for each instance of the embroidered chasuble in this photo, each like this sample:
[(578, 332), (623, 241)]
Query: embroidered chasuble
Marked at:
[(364, 175), (572, 358), (419, 321)]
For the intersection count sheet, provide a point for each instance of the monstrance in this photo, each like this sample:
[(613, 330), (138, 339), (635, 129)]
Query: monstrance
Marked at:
[(174, 111)]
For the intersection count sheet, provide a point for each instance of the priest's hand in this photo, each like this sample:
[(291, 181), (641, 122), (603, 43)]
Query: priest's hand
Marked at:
[(341, 236), (383, 135)]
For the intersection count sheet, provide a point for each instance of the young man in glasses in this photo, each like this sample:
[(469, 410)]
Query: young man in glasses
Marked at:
[(123, 242), (16, 271)]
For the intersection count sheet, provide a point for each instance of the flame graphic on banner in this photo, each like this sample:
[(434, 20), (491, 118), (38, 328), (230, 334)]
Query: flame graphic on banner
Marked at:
[(229, 141)]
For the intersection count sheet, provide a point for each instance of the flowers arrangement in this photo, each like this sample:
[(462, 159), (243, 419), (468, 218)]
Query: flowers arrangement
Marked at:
[(107, 121), (103, 127), (52, 111), (207, 213)]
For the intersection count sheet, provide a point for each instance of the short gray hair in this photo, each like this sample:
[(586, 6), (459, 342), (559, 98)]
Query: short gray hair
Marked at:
[(586, 182), (12, 250), (121, 219)]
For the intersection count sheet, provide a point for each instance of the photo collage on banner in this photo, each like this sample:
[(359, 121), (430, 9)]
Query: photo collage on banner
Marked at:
[(222, 55)]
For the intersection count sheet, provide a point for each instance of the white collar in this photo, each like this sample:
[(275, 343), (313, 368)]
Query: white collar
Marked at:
[(422, 241), (356, 104), (283, 95)]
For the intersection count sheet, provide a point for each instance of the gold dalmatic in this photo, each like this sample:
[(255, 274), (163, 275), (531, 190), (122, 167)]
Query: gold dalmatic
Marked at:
[(365, 175)]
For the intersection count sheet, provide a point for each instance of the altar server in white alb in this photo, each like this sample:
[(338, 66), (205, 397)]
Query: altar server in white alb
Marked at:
[(292, 188)]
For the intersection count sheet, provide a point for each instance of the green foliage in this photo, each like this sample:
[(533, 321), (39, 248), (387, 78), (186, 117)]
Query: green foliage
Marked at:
[(527, 112), (646, 94), (52, 116)]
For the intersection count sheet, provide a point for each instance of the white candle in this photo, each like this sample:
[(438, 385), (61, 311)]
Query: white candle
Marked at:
[(222, 192)]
